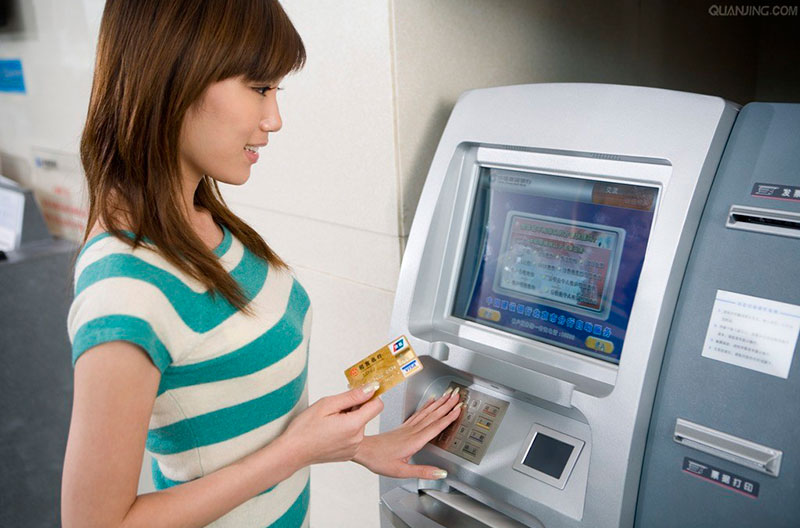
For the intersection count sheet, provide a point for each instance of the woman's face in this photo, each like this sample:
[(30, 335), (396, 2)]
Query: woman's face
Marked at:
[(223, 131)]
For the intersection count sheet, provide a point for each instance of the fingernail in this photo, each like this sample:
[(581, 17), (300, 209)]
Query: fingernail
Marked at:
[(456, 391), (448, 391), (462, 404), (372, 387), (439, 474)]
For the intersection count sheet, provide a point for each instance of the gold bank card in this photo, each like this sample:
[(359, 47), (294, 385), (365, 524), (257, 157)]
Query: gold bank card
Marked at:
[(388, 366)]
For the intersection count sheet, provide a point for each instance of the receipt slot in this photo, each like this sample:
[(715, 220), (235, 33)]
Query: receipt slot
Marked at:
[(540, 276)]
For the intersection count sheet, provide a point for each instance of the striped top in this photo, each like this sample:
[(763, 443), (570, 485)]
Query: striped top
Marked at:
[(230, 383)]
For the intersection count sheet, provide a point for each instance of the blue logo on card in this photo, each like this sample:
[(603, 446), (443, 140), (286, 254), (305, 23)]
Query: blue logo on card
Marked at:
[(409, 366), (398, 345)]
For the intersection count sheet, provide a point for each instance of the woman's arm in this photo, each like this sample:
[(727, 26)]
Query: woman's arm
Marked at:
[(115, 389)]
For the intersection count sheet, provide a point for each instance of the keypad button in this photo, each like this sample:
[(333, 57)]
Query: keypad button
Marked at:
[(491, 410), (470, 449), (484, 422), (477, 436)]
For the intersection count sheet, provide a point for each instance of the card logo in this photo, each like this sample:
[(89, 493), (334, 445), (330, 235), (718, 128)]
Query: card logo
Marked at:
[(398, 345), (411, 365)]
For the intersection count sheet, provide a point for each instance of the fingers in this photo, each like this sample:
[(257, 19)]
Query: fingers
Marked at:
[(435, 427), (352, 398), (435, 414), (402, 470), (368, 411), (414, 418), (422, 414)]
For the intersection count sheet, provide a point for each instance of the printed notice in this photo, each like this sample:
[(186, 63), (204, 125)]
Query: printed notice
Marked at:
[(754, 333)]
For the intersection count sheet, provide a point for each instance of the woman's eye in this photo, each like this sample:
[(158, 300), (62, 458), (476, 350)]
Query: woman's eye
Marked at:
[(264, 89)]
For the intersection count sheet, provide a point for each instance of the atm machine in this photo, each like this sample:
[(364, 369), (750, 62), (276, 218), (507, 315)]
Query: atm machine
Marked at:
[(541, 276)]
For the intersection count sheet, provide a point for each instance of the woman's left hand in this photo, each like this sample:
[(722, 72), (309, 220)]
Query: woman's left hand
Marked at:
[(388, 453)]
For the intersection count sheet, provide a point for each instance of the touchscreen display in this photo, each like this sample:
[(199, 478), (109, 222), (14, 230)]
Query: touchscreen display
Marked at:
[(555, 259)]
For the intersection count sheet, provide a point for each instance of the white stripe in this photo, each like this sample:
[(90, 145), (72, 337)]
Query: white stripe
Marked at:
[(203, 398), (137, 298), (265, 509), (112, 246), (195, 463), (124, 296), (269, 306)]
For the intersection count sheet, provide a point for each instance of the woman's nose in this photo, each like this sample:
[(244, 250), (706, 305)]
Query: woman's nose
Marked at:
[(271, 121)]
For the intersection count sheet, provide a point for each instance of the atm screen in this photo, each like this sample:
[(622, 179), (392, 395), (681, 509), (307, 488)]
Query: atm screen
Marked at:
[(555, 259)]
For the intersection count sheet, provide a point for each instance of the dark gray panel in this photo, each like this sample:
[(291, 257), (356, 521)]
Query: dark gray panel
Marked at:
[(35, 382), (764, 147)]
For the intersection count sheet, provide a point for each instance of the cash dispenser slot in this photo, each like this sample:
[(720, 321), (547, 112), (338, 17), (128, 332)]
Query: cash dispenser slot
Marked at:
[(433, 508), (768, 221), (732, 448)]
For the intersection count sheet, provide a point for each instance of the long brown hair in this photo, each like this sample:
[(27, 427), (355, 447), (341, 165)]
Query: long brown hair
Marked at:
[(154, 60)]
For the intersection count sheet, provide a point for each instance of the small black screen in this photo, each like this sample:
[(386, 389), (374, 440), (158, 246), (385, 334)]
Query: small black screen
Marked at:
[(548, 455)]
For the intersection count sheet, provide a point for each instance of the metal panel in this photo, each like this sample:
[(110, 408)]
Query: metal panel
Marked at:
[(764, 147)]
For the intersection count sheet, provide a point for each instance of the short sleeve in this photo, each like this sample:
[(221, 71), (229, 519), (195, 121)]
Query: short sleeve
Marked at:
[(112, 306)]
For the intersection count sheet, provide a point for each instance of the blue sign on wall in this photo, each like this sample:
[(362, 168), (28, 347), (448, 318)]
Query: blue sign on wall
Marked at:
[(11, 79)]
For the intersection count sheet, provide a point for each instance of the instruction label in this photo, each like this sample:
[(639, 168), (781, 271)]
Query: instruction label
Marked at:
[(753, 333), (726, 479)]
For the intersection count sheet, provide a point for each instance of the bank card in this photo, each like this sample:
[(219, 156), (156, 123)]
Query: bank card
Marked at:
[(389, 366)]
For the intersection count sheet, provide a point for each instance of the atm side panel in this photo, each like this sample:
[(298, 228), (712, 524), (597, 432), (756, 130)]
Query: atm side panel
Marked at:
[(698, 482)]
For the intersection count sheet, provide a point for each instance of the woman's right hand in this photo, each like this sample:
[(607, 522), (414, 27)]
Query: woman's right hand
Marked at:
[(332, 429)]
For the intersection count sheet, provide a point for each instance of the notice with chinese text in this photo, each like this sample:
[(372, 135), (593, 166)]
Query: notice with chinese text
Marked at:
[(754, 333)]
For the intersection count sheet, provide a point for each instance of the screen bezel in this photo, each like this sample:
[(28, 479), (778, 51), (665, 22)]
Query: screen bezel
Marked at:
[(590, 374)]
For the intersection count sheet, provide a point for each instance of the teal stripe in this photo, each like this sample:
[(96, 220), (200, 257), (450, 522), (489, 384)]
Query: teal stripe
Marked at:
[(121, 328), (160, 481), (200, 311), (267, 349), (230, 422), (220, 250), (223, 246), (296, 514)]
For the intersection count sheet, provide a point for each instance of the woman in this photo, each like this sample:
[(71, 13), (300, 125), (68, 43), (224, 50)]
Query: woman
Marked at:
[(189, 334)]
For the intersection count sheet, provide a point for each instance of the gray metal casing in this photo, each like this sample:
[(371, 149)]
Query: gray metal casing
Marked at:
[(669, 140), (764, 147)]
